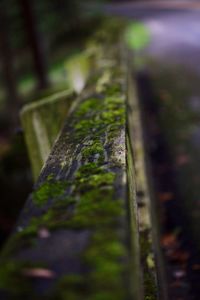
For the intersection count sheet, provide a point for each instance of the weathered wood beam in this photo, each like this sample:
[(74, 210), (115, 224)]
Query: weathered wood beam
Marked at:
[(42, 121), (85, 231), (153, 274), (77, 235)]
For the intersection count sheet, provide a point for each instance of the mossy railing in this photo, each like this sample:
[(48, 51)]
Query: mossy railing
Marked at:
[(78, 236), (42, 121)]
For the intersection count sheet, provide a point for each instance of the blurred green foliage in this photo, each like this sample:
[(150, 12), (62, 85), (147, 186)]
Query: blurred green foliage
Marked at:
[(137, 36), (61, 27)]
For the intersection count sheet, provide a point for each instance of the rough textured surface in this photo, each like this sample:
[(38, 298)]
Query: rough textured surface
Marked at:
[(138, 178), (42, 121), (73, 239)]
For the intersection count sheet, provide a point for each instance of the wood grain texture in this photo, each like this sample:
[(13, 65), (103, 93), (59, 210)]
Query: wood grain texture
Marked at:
[(73, 239)]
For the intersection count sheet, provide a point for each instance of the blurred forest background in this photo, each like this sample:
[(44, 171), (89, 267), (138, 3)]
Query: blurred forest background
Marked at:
[(36, 38)]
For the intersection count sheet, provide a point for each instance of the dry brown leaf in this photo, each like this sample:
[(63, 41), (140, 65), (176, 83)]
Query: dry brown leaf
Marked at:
[(164, 197), (39, 272), (168, 240), (182, 159)]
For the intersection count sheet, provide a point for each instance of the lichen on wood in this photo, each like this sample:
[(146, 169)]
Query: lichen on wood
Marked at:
[(75, 225)]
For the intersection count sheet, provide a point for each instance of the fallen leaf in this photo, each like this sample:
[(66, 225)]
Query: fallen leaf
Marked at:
[(43, 233), (168, 240), (164, 197), (196, 267), (179, 274), (39, 272), (182, 159), (180, 256), (175, 284)]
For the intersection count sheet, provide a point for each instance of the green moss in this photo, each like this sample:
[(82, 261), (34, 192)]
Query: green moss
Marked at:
[(89, 169), (87, 106), (92, 213), (104, 280), (95, 149), (100, 115), (92, 203), (53, 218), (94, 206), (150, 288), (104, 256), (114, 89), (95, 115), (8, 272), (84, 127), (49, 190), (97, 180), (70, 287), (12, 276), (98, 211)]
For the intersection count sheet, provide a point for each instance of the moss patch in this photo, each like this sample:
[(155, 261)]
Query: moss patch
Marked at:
[(50, 189), (13, 277), (95, 149), (101, 112), (104, 281), (150, 288)]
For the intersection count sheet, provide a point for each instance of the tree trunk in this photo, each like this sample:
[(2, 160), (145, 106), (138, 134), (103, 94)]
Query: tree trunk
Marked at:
[(8, 73), (35, 42)]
